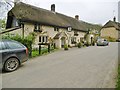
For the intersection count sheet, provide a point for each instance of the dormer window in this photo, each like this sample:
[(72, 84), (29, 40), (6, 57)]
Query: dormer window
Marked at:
[(37, 28), (56, 29), (69, 29), (75, 33)]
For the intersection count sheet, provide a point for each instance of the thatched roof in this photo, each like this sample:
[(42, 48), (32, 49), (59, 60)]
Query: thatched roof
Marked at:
[(90, 26), (60, 35), (26, 12), (112, 24), (57, 36)]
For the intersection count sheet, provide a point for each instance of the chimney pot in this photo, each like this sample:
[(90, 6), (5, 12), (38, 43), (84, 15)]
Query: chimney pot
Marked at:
[(77, 17), (53, 7), (114, 19)]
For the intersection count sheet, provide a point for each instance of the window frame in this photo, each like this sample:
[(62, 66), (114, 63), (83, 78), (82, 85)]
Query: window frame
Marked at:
[(43, 39), (69, 29), (37, 28), (56, 29)]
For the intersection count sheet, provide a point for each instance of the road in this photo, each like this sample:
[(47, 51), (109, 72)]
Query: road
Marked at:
[(90, 67)]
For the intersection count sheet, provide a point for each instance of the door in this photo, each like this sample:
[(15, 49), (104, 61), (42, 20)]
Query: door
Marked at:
[(62, 42)]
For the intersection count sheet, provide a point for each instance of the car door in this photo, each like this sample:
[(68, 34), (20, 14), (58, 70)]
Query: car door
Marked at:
[(16, 49), (3, 53)]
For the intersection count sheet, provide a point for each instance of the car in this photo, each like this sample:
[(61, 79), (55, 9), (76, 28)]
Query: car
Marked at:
[(13, 54), (102, 42), (118, 40)]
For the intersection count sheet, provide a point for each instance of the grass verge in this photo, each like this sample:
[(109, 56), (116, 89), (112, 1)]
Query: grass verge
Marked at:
[(44, 51)]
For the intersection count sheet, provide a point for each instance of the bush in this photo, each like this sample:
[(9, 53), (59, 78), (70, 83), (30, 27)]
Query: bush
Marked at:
[(65, 47), (79, 45), (110, 39), (88, 44), (93, 43), (69, 46)]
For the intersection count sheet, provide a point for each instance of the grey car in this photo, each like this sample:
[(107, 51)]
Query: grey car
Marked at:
[(12, 54), (102, 42)]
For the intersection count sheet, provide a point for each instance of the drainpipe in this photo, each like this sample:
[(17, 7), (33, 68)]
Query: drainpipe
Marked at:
[(22, 30)]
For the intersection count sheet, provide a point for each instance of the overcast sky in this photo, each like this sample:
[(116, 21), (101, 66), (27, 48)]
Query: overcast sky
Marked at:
[(93, 11)]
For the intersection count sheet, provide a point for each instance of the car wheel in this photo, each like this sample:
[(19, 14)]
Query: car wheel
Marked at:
[(11, 64)]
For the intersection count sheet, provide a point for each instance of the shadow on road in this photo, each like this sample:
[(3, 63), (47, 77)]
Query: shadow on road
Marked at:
[(4, 72)]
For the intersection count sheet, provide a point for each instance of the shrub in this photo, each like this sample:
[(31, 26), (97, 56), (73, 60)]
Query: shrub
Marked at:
[(65, 47), (87, 44), (93, 43), (79, 45), (110, 39), (69, 46)]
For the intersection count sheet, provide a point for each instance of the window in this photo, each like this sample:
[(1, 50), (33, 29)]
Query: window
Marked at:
[(2, 46), (43, 39), (37, 28), (56, 29), (40, 39), (82, 39), (46, 39), (73, 40), (75, 33), (14, 45), (69, 29)]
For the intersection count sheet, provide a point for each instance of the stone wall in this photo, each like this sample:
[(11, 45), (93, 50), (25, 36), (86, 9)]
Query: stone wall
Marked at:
[(109, 32)]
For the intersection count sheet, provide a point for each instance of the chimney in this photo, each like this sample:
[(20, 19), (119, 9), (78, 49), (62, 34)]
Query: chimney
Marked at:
[(16, 1), (77, 17), (53, 7), (114, 19)]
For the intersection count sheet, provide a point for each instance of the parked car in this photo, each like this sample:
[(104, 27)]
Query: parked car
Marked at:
[(13, 54), (102, 42), (118, 40)]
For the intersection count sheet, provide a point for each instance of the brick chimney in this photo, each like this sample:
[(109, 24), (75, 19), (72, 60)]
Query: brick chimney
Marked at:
[(53, 7), (114, 19), (77, 17)]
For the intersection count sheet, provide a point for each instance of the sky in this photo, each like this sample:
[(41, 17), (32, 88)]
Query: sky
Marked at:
[(92, 11)]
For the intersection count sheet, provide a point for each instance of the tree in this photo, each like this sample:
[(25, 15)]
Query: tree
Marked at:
[(2, 23)]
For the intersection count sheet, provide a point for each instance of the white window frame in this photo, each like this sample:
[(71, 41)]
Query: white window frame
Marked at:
[(69, 29)]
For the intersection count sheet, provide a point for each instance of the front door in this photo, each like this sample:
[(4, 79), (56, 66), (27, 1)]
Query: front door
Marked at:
[(62, 42)]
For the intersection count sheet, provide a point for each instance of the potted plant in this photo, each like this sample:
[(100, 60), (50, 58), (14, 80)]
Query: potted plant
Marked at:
[(69, 46), (87, 44), (65, 47), (93, 43), (79, 45)]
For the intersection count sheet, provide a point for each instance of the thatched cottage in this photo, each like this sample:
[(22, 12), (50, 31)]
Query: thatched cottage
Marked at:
[(111, 30), (49, 25)]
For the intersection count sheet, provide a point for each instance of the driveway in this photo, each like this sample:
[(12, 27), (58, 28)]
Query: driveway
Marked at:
[(90, 67)]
